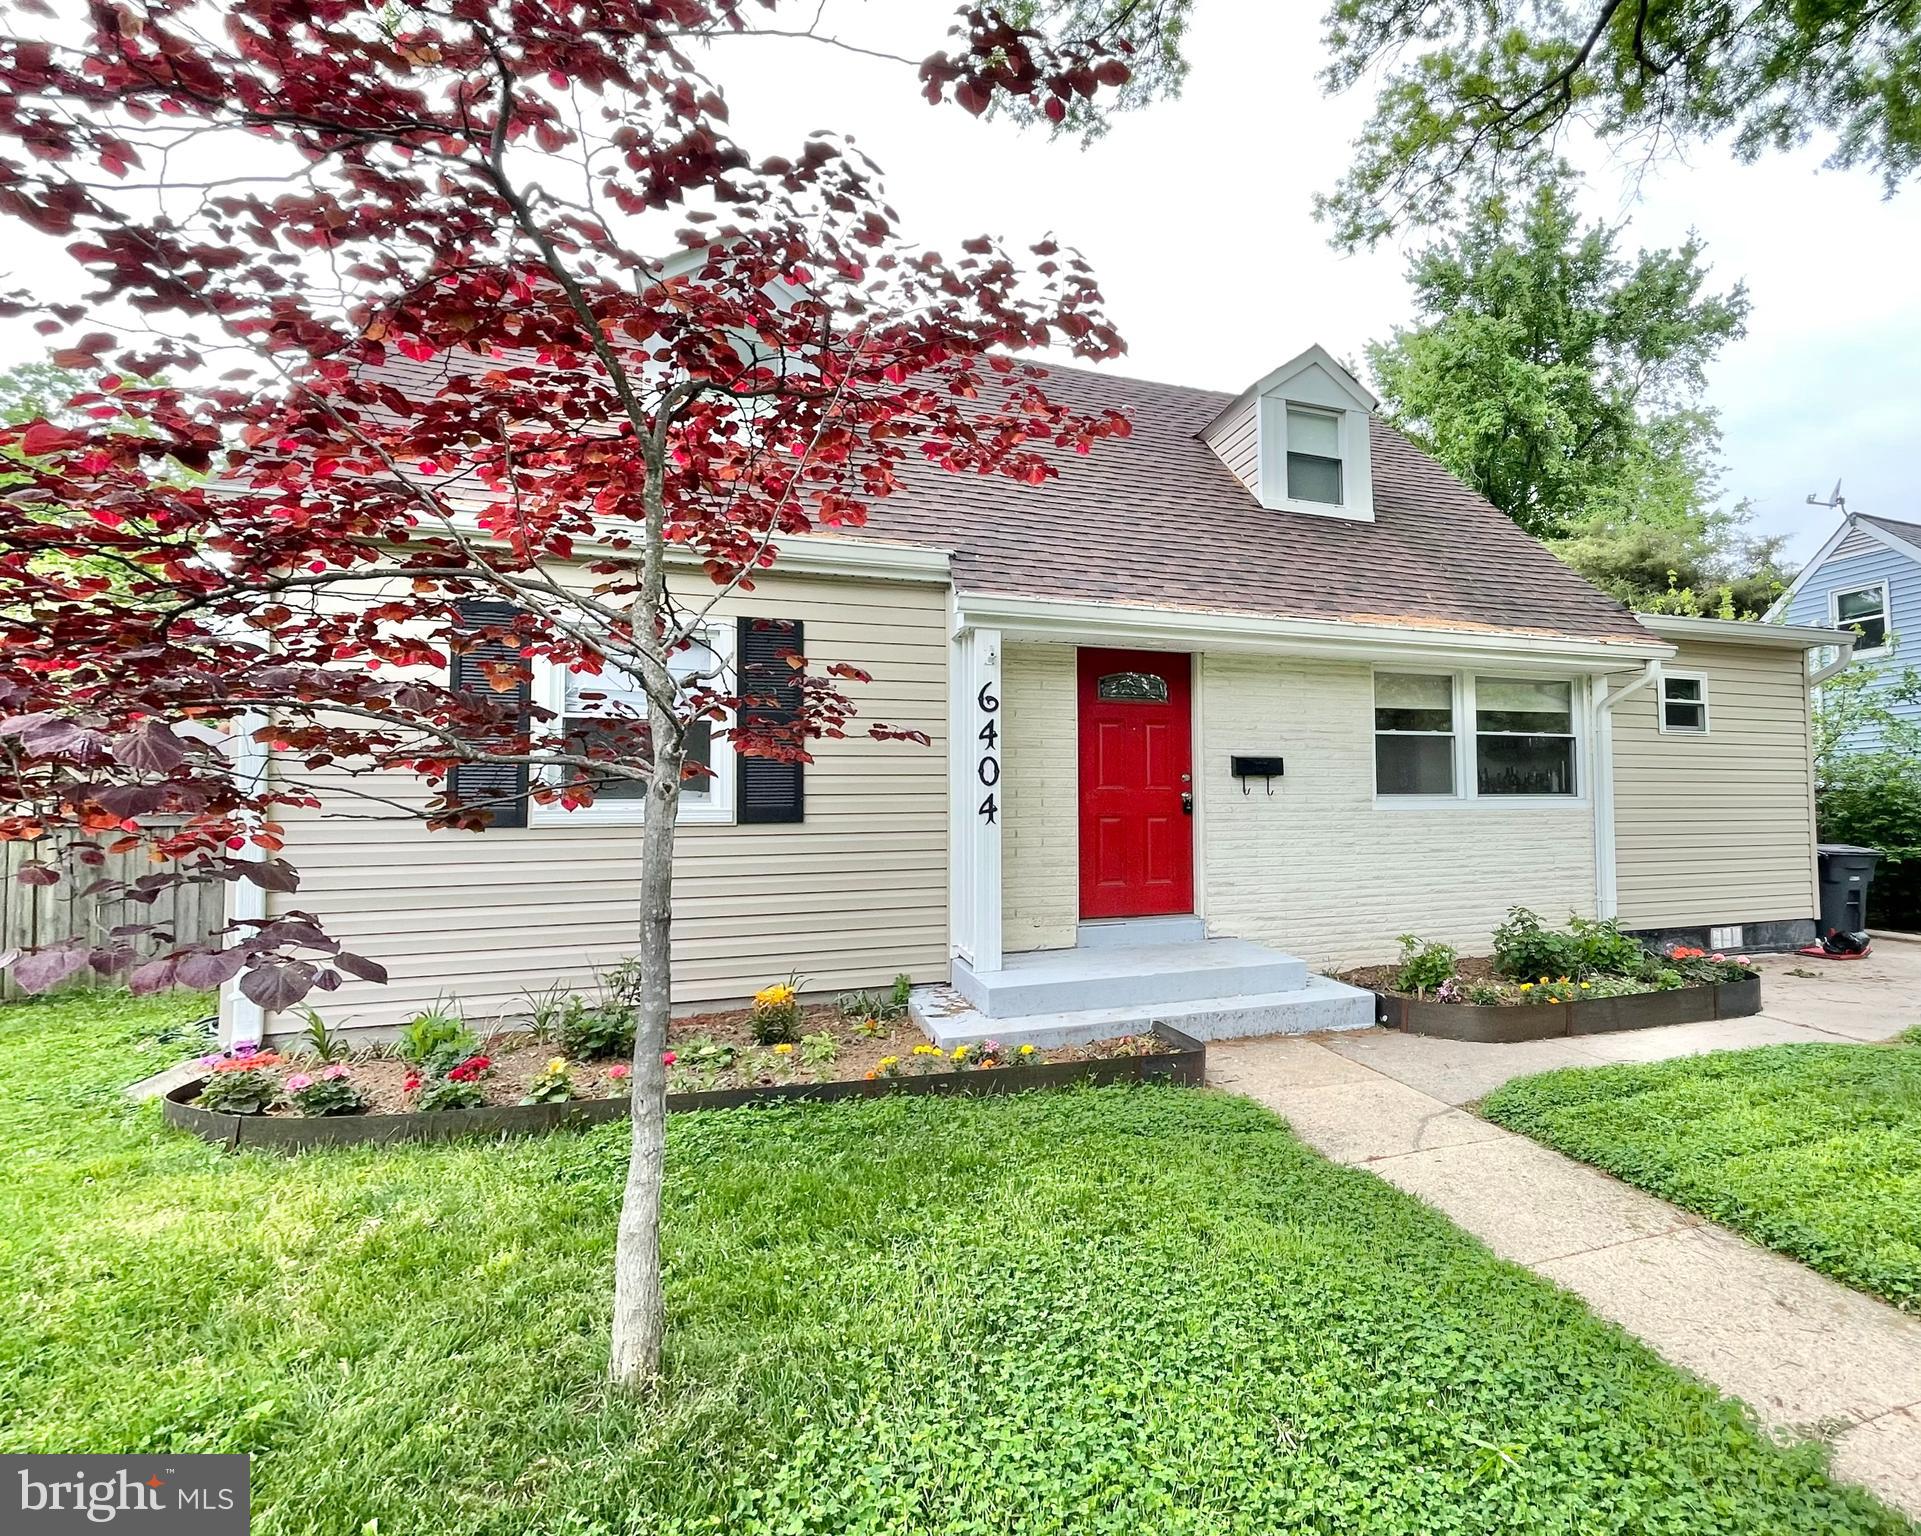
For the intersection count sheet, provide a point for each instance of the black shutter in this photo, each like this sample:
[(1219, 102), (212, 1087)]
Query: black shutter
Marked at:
[(769, 790), (501, 787)]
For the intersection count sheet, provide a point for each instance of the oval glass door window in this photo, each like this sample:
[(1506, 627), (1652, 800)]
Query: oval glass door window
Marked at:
[(1132, 688)]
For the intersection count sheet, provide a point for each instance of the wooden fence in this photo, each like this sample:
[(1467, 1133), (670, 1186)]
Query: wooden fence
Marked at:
[(35, 915)]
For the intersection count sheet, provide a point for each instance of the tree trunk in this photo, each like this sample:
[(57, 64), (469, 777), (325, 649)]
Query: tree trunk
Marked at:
[(639, 1306)]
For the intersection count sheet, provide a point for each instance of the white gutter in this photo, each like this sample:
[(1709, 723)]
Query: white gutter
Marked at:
[(1119, 625), (1840, 663)]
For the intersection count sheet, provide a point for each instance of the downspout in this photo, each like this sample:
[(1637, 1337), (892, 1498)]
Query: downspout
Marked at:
[(1606, 903), (246, 1020)]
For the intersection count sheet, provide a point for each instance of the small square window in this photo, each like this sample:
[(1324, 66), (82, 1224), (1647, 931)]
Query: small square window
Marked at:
[(1865, 611), (1313, 456), (1684, 705)]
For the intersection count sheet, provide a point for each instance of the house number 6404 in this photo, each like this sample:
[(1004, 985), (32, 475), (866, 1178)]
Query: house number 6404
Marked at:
[(988, 766)]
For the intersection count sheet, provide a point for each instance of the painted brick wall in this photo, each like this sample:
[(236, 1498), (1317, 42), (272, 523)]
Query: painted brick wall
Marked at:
[(1322, 872), (1040, 783)]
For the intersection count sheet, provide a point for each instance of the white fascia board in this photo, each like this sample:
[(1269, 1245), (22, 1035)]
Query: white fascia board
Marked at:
[(1780, 605), (1894, 541), (1799, 637), (1118, 625), (1314, 356)]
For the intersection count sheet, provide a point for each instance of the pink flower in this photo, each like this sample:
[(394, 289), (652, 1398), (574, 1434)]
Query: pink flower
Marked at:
[(334, 1073), (299, 1081), (1719, 959), (617, 1071), (668, 1058)]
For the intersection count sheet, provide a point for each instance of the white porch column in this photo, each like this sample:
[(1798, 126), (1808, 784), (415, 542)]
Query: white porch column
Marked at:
[(245, 1019), (975, 797)]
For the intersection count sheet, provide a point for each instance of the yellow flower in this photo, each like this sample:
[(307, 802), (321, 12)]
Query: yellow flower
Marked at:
[(1527, 986), (783, 1049), (1544, 981), (890, 1061), (960, 1053), (776, 996), (1027, 1050), (1585, 985), (559, 1063)]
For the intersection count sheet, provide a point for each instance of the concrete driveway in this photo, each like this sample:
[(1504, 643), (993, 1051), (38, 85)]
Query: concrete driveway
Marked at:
[(1810, 1356)]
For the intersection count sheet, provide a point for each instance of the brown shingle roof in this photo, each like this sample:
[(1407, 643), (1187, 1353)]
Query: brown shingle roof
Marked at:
[(1157, 518), (1908, 531)]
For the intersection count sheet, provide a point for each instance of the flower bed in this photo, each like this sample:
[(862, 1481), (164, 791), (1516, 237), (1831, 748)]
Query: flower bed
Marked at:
[(448, 1085), (1541, 983)]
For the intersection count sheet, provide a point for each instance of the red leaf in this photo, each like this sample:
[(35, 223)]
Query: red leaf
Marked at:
[(205, 969)]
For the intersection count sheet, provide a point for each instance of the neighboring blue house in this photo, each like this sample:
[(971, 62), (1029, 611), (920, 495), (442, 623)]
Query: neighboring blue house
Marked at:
[(1867, 577)]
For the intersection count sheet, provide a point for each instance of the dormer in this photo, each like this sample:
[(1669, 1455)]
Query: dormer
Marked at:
[(1298, 439)]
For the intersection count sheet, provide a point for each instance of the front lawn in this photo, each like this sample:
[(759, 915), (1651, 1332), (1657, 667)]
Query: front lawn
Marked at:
[(1811, 1149), (1138, 1311)]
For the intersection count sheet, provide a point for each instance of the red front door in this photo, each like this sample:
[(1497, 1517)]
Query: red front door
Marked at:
[(1137, 841)]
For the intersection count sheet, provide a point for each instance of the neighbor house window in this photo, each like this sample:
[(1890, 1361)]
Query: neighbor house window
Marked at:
[(1865, 610), (1523, 736), (1313, 455), (610, 707), (1684, 705), (1413, 733)]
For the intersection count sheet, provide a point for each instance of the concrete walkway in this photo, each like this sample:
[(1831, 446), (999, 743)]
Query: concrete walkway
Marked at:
[(1810, 1356)]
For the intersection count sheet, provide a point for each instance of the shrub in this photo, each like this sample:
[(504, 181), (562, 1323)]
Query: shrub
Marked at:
[(330, 1091), (776, 1015), (436, 1040), (1525, 949), (591, 1030), (239, 1090), (819, 1050), (864, 1008), (445, 1093), (554, 1085), (1424, 967), (1601, 946), (1874, 801)]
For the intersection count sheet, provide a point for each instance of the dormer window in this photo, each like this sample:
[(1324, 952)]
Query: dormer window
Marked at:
[(1313, 455), (1301, 439)]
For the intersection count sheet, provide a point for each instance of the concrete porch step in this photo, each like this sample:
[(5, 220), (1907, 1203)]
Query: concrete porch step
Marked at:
[(1128, 976), (1123, 932), (1320, 1003)]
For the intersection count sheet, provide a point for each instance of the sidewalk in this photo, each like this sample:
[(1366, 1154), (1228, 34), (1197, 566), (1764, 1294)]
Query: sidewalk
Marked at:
[(1810, 1356)]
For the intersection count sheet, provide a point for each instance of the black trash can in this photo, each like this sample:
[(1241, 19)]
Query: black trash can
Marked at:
[(1846, 874)]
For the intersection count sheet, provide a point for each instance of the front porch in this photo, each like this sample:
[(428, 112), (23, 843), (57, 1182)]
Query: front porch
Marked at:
[(1175, 817)]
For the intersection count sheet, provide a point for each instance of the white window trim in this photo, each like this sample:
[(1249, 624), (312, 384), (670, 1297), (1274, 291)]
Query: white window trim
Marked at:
[(1867, 653), (717, 810), (1661, 704), (1467, 788), (1357, 464)]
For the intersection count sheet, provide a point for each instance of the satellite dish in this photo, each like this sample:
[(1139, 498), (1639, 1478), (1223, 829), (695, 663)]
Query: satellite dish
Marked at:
[(1835, 500)]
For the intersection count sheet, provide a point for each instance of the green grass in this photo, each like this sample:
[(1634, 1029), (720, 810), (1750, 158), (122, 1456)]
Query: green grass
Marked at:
[(1127, 1311), (1811, 1149)]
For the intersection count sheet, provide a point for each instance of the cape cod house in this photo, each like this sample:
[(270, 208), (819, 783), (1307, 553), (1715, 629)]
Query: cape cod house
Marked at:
[(1235, 700)]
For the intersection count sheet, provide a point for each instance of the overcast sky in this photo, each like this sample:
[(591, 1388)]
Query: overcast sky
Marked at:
[(1196, 215)]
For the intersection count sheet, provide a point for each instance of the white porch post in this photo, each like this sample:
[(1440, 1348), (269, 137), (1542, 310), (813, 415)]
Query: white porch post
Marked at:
[(246, 1020), (975, 798)]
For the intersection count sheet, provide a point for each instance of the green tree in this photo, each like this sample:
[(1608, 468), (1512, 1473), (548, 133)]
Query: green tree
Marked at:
[(1558, 378), (40, 392), (1489, 87)]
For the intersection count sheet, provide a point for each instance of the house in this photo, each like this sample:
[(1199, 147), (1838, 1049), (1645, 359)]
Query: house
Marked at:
[(1233, 701), (1866, 579)]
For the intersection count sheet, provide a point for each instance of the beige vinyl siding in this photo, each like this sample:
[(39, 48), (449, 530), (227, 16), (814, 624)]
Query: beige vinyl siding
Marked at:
[(849, 897), (1040, 794), (1322, 871), (1238, 442), (1718, 828)]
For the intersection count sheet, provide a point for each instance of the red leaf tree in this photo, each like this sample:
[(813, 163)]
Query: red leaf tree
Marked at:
[(399, 259)]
